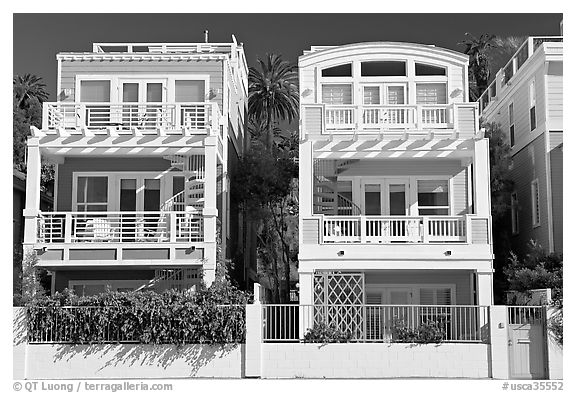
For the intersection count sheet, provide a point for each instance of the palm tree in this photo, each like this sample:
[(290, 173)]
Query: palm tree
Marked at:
[(272, 93), (477, 49), (29, 87)]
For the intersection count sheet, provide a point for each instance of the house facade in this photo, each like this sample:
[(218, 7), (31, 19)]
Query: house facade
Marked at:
[(145, 138), (394, 179), (525, 99)]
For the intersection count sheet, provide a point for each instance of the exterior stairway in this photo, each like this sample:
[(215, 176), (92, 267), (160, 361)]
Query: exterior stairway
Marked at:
[(327, 199)]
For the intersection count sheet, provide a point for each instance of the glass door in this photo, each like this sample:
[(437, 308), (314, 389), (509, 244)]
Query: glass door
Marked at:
[(397, 197), (138, 98), (139, 203)]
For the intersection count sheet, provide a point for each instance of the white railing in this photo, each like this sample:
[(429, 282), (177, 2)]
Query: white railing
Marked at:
[(120, 227), (130, 118), (376, 323), (387, 229), (377, 117)]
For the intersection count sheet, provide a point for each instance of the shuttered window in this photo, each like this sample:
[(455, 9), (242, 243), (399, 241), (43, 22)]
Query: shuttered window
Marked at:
[(371, 95), (395, 95), (95, 91), (334, 94), (430, 93), (436, 296)]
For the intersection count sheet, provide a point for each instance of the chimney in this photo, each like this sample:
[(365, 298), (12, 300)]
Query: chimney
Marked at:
[(206, 36)]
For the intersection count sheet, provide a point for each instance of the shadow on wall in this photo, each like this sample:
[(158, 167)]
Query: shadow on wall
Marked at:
[(192, 356)]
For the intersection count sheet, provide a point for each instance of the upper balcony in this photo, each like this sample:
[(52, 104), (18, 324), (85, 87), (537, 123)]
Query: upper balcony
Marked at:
[(129, 118), (505, 76)]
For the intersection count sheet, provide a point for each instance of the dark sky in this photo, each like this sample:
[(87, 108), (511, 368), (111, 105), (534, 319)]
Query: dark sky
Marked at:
[(38, 37)]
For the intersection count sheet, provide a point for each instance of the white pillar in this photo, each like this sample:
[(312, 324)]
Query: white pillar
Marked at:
[(32, 209), (253, 359), (305, 184), (482, 178), (499, 363), (306, 299), (210, 212), (484, 289)]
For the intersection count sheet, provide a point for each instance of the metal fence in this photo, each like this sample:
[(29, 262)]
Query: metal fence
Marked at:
[(375, 323)]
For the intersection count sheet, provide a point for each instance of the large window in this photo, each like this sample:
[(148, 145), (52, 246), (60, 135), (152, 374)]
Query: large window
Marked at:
[(532, 105), (95, 91), (189, 90), (92, 193), (511, 122), (535, 191), (343, 70), (383, 68), (430, 93), (337, 94), (427, 69), (389, 94), (515, 215), (433, 198)]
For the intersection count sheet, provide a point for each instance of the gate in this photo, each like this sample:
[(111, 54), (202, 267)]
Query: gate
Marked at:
[(526, 342)]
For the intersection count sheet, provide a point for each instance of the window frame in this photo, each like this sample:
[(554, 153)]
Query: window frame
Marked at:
[(532, 108), (76, 203), (431, 82), (515, 216), (535, 202), (324, 83), (511, 124), (450, 195), (383, 92)]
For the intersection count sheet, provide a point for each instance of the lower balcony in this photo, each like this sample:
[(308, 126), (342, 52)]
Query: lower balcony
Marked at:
[(464, 229)]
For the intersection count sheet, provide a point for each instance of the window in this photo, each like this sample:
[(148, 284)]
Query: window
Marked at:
[(535, 191), (396, 95), (436, 296), (433, 198), (511, 122), (532, 105), (383, 68), (427, 69), (189, 90), (337, 94), (95, 91), (371, 95), (430, 93), (343, 70), (514, 210), (92, 193)]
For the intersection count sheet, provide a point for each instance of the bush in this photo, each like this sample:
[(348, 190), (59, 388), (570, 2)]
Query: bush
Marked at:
[(208, 316), (432, 331), (322, 333)]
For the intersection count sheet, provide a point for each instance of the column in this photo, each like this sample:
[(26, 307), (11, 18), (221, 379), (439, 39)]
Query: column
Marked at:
[(253, 359), (32, 209), (484, 289), (306, 297), (210, 212), (499, 363), (481, 178)]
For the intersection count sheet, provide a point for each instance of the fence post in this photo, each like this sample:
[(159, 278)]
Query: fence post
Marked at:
[(20, 338), (499, 367), (253, 352), (554, 350)]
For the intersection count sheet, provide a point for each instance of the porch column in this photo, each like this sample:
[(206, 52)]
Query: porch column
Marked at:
[(32, 208), (306, 176), (484, 289), (306, 299), (481, 178), (210, 212)]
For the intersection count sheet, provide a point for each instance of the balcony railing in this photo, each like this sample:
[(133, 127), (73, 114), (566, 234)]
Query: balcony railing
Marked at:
[(130, 118), (390, 229), (120, 227), (375, 323), (377, 117)]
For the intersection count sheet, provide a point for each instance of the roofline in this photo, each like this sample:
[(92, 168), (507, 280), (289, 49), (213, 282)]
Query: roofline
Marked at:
[(457, 56)]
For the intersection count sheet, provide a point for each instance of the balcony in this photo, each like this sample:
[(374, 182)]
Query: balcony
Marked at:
[(133, 119), (396, 229), (120, 227)]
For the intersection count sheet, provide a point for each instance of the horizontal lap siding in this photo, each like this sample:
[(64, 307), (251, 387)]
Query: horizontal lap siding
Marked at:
[(556, 172), (460, 278), (480, 231), (312, 120), (456, 83), (108, 164), (70, 69), (466, 122), (523, 172), (310, 232), (555, 96)]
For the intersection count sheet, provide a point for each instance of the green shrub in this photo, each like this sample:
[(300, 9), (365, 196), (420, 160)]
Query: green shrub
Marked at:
[(432, 331), (322, 333), (208, 316)]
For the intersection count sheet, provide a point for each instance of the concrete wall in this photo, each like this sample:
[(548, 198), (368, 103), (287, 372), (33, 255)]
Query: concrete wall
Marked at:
[(374, 360)]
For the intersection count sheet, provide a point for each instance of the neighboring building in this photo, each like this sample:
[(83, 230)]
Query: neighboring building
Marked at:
[(145, 138), (394, 178), (525, 98)]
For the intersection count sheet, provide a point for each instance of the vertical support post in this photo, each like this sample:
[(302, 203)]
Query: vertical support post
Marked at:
[(253, 353), (68, 228), (484, 288), (499, 362), (425, 229), (32, 208), (481, 178), (172, 226), (210, 212), (306, 311)]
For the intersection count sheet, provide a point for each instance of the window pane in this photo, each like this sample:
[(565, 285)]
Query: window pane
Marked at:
[(426, 69), (395, 95), (154, 92), (432, 193), (97, 190), (151, 194), (340, 70), (371, 95), (337, 94), (430, 93), (372, 201), (190, 91), (130, 92), (397, 199), (383, 68), (127, 195), (95, 91), (177, 185)]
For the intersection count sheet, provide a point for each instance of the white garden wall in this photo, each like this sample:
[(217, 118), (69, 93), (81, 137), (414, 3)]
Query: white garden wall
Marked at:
[(374, 360)]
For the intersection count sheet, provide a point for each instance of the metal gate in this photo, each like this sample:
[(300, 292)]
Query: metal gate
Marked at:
[(526, 349)]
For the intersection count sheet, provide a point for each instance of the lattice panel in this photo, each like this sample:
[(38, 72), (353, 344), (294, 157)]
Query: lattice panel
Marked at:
[(338, 288)]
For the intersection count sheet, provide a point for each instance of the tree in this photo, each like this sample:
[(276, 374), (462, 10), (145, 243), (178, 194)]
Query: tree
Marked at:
[(479, 63), (27, 88), (272, 94), (265, 188)]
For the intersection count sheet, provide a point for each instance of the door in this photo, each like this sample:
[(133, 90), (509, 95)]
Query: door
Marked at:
[(140, 198), (526, 349), (138, 108), (379, 101)]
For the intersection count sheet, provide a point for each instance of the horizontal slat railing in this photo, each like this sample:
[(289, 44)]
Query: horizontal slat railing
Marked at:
[(130, 118), (87, 227), (382, 117), (375, 323), (386, 229)]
